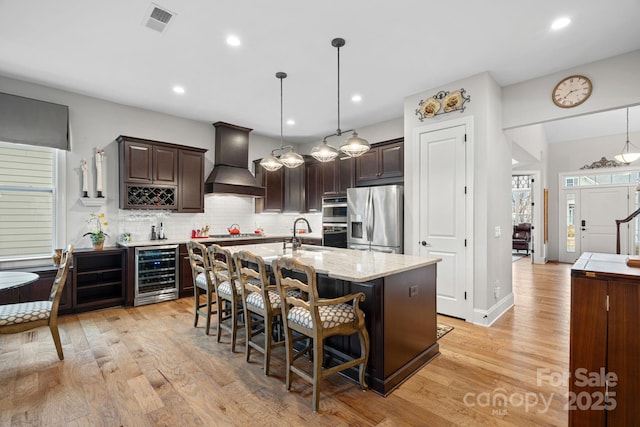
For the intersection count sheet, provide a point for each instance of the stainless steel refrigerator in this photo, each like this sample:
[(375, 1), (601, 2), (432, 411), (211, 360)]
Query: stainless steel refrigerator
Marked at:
[(375, 218)]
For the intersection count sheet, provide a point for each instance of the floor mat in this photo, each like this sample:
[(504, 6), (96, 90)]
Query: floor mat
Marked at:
[(443, 330)]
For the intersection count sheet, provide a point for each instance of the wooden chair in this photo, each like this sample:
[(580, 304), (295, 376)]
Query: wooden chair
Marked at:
[(228, 291), (317, 318), (25, 316), (258, 298), (203, 283)]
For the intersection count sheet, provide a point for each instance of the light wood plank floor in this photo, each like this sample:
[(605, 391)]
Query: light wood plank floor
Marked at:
[(148, 366)]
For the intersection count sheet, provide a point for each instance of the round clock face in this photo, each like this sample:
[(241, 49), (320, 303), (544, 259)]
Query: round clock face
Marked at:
[(572, 91)]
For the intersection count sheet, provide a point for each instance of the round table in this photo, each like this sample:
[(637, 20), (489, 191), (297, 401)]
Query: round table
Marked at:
[(14, 279)]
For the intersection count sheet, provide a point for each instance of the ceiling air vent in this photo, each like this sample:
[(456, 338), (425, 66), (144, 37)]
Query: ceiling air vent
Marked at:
[(158, 18)]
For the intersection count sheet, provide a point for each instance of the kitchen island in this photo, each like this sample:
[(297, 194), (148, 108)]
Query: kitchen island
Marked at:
[(400, 306)]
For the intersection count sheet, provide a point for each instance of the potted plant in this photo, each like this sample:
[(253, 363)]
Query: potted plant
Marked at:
[(97, 234)]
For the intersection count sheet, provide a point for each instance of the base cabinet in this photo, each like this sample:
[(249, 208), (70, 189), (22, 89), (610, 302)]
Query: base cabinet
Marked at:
[(98, 278), (186, 277), (401, 324), (605, 324)]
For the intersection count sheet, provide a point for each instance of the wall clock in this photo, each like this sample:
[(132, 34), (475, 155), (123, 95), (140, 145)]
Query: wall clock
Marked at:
[(572, 91)]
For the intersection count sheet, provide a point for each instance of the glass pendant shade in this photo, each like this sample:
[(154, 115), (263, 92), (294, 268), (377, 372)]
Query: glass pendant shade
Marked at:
[(291, 159), (625, 156), (355, 146), (271, 163), (324, 152)]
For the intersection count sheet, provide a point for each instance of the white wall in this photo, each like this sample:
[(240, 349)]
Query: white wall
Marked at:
[(489, 187), (95, 123), (531, 147), (615, 85)]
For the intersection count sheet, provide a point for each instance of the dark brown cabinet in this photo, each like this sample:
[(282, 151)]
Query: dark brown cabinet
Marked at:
[(159, 175), (273, 183), (328, 179), (383, 164), (313, 186), (186, 276), (98, 278), (190, 181), (294, 189), (284, 189), (605, 319), (148, 163)]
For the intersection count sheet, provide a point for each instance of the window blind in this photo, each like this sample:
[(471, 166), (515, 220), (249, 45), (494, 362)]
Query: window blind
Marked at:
[(26, 201), (34, 122)]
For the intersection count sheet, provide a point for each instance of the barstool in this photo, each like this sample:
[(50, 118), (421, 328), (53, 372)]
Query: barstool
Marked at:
[(203, 283), (258, 298), (228, 291), (317, 318)]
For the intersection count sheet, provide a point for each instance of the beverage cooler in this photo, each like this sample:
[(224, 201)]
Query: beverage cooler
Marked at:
[(156, 276)]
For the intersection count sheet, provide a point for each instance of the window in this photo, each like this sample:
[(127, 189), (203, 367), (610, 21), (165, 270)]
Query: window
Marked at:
[(520, 199), (27, 201)]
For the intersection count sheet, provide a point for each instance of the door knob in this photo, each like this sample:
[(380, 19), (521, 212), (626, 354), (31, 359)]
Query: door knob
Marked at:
[(424, 243)]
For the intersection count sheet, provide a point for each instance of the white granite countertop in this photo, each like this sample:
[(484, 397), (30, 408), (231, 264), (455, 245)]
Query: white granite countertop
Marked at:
[(205, 240), (344, 264)]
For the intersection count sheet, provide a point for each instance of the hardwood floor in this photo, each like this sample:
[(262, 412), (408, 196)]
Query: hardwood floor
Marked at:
[(147, 366)]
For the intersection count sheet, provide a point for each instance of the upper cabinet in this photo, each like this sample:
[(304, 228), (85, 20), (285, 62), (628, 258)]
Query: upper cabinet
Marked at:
[(383, 164), (147, 163), (327, 179), (190, 181), (284, 189), (273, 183), (159, 175)]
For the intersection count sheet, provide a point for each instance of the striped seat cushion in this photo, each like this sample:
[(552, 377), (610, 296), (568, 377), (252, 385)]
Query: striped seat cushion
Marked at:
[(24, 312), (330, 316), (255, 299), (201, 280), (225, 287)]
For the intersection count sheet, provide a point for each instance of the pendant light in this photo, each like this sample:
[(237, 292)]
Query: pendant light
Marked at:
[(354, 146), (290, 159), (626, 156)]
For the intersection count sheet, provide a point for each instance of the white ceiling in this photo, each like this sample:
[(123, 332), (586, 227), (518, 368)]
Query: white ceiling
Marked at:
[(393, 49)]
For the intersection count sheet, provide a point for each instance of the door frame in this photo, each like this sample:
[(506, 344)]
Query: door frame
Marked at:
[(412, 190), (539, 255), (564, 190)]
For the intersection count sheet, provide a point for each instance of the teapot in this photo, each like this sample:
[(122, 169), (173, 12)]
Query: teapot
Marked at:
[(234, 229)]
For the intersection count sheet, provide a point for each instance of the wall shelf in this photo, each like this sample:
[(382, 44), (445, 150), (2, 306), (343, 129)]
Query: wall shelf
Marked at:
[(93, 201)]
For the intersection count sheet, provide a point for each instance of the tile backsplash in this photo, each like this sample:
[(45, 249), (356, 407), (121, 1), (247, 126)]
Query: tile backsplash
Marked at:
[(220, 212)]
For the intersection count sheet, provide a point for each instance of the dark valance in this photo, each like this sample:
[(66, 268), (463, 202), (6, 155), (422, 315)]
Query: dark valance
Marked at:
[(34, 122)]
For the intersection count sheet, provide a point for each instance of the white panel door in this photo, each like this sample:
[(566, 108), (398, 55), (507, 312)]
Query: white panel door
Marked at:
[(443, 213), (599, 209)]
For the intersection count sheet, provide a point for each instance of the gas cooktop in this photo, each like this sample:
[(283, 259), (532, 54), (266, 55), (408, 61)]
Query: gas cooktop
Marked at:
[(220, 236)]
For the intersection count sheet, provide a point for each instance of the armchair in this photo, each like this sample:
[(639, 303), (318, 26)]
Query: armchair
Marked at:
[(521, 237)]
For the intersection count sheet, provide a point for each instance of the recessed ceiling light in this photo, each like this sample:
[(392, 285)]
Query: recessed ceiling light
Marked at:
[(233, 41), (356, 98), (560, 23), (291, 122), (178, 89)]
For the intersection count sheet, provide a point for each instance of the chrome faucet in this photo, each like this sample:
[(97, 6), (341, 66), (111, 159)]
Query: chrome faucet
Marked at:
[(295, 243)]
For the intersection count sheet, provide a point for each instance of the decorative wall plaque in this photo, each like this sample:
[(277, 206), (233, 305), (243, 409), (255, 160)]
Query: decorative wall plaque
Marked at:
[(441, 103)]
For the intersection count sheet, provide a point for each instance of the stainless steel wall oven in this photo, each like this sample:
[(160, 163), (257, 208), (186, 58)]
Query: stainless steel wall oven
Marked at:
[(334, 221), (156, 276)]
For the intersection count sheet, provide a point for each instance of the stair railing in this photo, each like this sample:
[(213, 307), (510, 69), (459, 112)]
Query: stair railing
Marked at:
[(623, 221)]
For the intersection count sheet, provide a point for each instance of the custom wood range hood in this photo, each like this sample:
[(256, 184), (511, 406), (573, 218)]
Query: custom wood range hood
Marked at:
[(230, 174)]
